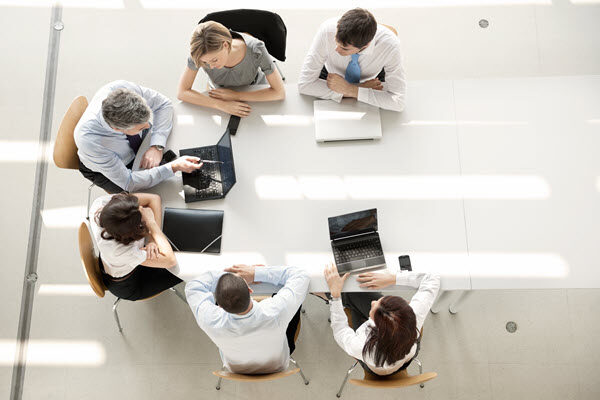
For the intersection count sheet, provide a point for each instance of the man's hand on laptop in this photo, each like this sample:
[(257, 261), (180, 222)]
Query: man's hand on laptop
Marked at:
[(186, 164), (374, 280), (245, 271), (334, 281)]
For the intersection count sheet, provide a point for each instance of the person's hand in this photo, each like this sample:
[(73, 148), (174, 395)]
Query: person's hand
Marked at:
[(338, 84), (373, 280), (334, 281), (186, 164), (237, 108), (151, 250), (245, 271), (147, 214), (223, 94), (372, 84), (151, 158)]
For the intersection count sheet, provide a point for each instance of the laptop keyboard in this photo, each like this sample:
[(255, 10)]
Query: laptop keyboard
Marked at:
[(359, 250), (210, 187)]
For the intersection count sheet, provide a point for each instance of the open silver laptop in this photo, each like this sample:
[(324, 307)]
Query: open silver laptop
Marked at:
[(348, 120)]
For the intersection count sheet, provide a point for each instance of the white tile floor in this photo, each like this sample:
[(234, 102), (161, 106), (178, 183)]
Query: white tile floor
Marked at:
[(554, 353)]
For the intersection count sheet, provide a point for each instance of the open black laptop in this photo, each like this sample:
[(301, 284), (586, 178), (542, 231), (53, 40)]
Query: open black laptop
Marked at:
[(355, 241), (214, 180)]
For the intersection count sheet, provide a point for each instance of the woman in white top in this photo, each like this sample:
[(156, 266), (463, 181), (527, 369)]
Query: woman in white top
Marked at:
[(230, 59), (385, 334), (134, 253)]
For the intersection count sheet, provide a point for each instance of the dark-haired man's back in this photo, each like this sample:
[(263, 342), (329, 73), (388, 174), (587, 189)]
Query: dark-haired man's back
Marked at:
[(255, 342)]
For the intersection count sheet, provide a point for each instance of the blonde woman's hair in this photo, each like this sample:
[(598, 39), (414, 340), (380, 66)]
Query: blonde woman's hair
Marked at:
[(208, 36)]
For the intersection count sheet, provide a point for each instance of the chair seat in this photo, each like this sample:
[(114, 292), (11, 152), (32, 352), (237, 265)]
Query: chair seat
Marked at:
[(401, 379), (255, 378)]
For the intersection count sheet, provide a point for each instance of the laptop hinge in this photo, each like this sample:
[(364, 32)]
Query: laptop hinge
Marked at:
[(355, 236)]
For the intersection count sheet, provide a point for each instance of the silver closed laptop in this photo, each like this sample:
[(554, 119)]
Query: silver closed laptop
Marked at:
[(348, 120)]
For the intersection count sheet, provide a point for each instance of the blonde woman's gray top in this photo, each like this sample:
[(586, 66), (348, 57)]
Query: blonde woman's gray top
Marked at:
[(250, 71)]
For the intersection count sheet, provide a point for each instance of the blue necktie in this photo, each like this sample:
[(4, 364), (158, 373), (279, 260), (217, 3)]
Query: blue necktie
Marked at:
[(353, 70), (135, 141)]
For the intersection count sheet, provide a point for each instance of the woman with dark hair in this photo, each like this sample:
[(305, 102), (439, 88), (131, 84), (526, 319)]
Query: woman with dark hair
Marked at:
[(134, 253), (385, 332)]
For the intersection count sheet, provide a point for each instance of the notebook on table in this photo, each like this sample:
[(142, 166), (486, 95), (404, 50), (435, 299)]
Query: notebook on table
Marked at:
[(194, 230)]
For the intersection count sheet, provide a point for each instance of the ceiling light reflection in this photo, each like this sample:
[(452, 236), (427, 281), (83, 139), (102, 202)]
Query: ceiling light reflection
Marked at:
[(47, 289), (65, 217), (527, 265), (402, 187), (55, 353), (318, 4), (24, 151), (287, 120), (185, 120)]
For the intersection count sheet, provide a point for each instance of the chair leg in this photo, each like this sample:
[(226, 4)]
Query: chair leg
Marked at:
[(115, 305), (182, 297), (279, 69), (339, 393), (422, 385), (306, 381), (303, 310), (218, 387), (89, 200)]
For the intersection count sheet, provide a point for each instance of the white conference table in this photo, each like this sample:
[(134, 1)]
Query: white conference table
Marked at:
[(288, 185), (508, 166)]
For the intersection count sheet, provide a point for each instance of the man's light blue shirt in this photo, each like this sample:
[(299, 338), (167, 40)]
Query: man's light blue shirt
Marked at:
[(105, 150), (256, 342)]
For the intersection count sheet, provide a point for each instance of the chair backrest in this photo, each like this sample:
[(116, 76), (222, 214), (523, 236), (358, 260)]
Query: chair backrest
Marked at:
[(401, 379), (255, 378), (65, 149), (391, 28), (90, 261), (263, 25)]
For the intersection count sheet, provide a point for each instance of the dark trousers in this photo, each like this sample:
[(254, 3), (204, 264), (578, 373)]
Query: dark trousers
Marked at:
[(100, 180), (141, 283), (291, 330), (359, 304), (324, 74)]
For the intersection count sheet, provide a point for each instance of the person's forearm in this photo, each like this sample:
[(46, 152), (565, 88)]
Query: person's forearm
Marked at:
[(193, 97), (161, 240), (267, 94), (318, 88)]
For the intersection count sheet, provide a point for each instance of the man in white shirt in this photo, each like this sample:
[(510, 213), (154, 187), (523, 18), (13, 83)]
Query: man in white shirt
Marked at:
[(252, 337), (355, 57)]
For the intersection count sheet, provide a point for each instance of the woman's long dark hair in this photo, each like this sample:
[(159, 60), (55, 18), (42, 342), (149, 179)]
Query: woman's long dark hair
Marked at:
[(394, 333), (121, 219)]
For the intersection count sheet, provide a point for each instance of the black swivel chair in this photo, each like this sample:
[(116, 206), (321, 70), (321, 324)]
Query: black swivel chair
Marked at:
[(263, 25)]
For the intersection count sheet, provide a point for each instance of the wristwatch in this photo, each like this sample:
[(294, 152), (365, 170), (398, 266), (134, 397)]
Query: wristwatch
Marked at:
[(159, 147)]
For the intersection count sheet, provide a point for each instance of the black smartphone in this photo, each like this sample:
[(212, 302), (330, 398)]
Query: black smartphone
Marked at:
[(233, 124), (404, 263), (168, 157)]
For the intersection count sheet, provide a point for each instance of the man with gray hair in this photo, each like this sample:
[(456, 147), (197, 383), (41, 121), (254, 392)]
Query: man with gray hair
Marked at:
[(111, 130)]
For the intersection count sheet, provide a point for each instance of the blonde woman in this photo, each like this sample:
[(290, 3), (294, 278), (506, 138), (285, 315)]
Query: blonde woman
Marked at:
[(230, 59)]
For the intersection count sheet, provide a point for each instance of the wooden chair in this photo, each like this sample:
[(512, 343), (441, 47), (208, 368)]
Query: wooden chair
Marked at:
[(91, 267), (65, 149), (391, 28), (223, 374), (401, 379)]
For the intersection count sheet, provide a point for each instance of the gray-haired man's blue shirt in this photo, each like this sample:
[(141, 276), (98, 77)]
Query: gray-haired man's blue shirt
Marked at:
[(105, 150)]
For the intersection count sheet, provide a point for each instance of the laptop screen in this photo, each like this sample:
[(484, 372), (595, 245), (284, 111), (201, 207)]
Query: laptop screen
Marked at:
[(353, 224), (226, 156)]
